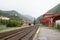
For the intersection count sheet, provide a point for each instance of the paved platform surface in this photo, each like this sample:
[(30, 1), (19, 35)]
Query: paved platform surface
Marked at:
[(48, 34)]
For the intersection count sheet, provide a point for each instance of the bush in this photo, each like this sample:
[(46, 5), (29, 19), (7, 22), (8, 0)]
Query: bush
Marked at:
[(58, 26), (13, 23), (3, 22)]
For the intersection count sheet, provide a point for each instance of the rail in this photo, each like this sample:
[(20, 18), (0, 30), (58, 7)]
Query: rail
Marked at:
[(26, 33)]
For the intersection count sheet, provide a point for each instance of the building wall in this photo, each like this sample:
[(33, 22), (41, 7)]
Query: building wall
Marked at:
[(4, 18)]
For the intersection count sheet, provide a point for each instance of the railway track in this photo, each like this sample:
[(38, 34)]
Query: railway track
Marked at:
[(19, 34)]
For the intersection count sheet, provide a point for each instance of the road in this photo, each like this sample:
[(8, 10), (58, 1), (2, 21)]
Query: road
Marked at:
[(48, 34)]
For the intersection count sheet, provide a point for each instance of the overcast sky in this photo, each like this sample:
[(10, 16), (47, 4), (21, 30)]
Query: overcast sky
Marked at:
[(34, 8)]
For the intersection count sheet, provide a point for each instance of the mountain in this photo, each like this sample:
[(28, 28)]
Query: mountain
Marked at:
[(55, 9), (10, 14), (13, 13), (29, 17)]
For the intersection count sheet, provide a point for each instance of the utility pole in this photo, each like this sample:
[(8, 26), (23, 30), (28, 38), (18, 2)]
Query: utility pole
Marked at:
[(34, 21)]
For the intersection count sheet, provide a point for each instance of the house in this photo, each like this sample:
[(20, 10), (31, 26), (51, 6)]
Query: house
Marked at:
[(4, 18)]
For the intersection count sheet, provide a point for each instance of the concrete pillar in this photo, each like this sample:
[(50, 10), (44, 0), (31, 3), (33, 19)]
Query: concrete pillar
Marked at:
[(52, 23), (49, 23)]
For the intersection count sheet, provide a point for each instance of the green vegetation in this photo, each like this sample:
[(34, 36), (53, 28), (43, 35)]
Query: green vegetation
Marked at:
[(58, 27), (55, 28), (55, 9), (13, 13), (14, 21), (11, 23), (36, 21), (3, 27)]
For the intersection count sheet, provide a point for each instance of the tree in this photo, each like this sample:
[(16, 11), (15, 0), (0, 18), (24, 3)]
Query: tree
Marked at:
[(36, 21), (14, 23)]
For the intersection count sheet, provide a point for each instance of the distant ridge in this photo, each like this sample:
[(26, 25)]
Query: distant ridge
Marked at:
[(13, 13), (55, 9)]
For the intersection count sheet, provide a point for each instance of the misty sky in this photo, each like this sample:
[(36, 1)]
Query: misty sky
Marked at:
[(34, 8)]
